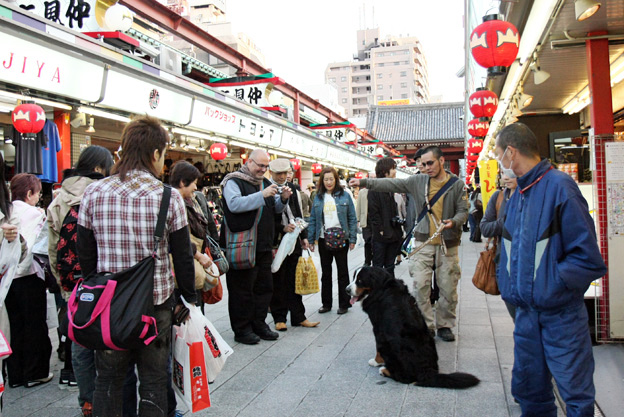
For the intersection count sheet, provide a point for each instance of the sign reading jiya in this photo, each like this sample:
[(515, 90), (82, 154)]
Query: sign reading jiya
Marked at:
[(255, 90), (39, 67)]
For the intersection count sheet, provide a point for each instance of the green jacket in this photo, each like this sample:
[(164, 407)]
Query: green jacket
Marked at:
[(455, 203)]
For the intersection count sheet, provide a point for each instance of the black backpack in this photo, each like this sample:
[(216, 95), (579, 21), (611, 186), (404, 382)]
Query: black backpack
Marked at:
[(66, 254)]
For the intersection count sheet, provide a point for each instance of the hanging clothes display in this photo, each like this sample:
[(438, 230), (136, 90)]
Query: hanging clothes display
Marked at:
[(48, 153), (28, 155)]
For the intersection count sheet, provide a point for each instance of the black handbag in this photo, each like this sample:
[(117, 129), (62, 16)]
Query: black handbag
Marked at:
[(116, 311)]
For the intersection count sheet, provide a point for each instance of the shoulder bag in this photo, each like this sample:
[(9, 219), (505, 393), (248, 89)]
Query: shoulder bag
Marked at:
[(240, 247), (116, 311), (485, 273)]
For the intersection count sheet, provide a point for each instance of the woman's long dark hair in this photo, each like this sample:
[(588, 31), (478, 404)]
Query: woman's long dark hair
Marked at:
[(92, 157), (321, 185), (5, 201)]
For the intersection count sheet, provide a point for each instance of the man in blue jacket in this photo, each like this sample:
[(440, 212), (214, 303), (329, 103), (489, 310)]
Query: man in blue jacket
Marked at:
[(548, 259)]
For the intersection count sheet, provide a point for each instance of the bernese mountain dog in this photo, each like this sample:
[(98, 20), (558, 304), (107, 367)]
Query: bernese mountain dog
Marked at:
[(401, 335)]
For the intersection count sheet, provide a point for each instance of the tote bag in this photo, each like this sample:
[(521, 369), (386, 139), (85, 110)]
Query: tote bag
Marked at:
[(306, 277), (485, 273)]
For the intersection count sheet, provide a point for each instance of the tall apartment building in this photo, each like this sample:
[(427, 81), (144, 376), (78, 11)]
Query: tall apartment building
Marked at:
[(388, 71)]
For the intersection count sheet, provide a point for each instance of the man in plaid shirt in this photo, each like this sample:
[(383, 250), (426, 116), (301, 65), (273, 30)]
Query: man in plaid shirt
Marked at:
[(117, 219)]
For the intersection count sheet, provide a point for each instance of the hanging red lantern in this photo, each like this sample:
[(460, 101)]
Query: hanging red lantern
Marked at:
[(317, 168), (478, 128), (474, 145), (28, 118), (296, 164), (494, 44), (360, 175), (483, 103), (218, 151), (472, 158)]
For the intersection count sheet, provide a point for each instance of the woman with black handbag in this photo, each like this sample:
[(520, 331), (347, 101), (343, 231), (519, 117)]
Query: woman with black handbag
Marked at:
[(334, 224)]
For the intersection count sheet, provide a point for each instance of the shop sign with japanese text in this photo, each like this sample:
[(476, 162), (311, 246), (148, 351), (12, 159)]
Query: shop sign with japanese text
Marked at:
[(78, 15)]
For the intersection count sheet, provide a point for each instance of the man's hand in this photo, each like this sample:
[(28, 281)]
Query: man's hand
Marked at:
[(286, 193), (448, 224), (354, 182), (204, 260), (10, 231), (289, 228), (311, 247), (180, 314), (270, 191), (351, 246), (305, 244)]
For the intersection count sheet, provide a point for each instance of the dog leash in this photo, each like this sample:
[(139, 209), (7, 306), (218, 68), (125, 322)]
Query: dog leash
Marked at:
[(437, 233)]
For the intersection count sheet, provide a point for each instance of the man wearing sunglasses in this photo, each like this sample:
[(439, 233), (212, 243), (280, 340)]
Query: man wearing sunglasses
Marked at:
[(441, 202), (247, 194)]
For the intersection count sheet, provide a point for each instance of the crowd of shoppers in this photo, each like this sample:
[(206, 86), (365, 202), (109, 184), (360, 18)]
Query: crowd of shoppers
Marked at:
[(115, 207)]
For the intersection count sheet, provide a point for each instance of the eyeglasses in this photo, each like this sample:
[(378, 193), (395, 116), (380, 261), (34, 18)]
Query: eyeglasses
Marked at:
[(428, 163), (261, 166)]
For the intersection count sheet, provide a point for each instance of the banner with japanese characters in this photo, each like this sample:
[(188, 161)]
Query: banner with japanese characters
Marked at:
[(488, 174), (78, 15)]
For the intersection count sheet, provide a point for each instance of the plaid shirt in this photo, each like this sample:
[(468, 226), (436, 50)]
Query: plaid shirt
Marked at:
[(123, 216)]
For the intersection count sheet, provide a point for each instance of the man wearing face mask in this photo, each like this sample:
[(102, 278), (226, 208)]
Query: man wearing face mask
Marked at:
[(250, 290), (284, 297), (549, 257), (441, 203)]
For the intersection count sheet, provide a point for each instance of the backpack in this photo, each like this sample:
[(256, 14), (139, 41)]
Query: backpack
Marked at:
[(66, 255)]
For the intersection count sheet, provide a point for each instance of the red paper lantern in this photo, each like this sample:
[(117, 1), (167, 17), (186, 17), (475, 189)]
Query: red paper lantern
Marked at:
[(218, 151), (494, 44), (296, 164), (483, 103), (360, 175), (474, 145), (317, 168), (28, 118), (472, 158), (478, 128)]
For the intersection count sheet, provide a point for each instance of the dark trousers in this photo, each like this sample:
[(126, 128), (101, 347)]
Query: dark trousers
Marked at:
[(249, 295), (475, 229), (327, 257), (284, 297), (367, 235), (151, 362), (26, 306), (385, 253)]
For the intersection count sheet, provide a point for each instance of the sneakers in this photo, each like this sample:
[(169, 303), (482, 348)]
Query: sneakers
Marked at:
[(446, 334), (67, 380), (87, 409), (39, 381)]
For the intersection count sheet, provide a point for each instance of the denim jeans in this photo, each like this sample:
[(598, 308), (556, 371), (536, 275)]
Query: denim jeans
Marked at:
[(83, 361), (151, 362)]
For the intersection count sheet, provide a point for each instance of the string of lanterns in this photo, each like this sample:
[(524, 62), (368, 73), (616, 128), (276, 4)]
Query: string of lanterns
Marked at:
[(494, 45)]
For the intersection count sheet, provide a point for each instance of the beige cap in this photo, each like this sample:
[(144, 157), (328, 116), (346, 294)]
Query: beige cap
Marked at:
[(279, 165)]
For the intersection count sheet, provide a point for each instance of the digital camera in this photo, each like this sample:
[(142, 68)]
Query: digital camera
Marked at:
[(397, 221)]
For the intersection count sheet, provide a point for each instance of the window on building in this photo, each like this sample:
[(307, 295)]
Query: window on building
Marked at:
[(403, 85), (379, 75), (344, 101), (403, 73), (403, 95), (380, 87), (379, 54), (380, 64), (368, 88), (343, 79), (397, 63), (379, 97), (406, 52), (368, 78), (332, 80), (406, 62), (344, 89)]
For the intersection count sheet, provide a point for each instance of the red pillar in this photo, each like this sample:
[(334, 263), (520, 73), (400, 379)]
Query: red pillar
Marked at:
[(63, 159), (296, 108), (598, 70), (454, 166)]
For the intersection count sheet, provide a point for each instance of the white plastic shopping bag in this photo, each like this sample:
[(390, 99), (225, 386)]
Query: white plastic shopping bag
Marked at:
[(10, 253), (287, 245), (199, 353)]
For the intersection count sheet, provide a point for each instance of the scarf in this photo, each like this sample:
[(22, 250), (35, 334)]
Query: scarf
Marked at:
[(243, 174)]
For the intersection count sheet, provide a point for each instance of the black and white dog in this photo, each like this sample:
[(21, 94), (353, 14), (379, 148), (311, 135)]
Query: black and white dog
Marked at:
[(401, 335)]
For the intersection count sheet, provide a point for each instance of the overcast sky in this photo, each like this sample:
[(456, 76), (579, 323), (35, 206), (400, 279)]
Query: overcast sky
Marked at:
[(299, 38)]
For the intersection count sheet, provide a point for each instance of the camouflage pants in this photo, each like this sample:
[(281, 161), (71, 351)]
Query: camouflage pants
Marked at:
[(447, 277)]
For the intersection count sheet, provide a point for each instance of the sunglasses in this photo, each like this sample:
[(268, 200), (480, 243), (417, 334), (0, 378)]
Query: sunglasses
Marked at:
[(428, 163)]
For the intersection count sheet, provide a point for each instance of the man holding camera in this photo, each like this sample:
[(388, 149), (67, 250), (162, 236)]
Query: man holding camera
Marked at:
[(384, 220), (441, 204)]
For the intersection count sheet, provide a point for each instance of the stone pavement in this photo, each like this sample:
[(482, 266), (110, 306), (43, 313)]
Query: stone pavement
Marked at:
[(324, 371)]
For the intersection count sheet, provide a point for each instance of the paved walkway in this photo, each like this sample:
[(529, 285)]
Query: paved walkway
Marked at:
[(324, 371)]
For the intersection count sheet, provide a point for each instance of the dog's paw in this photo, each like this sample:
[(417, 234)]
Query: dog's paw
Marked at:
[(372, 362), (383, 371)]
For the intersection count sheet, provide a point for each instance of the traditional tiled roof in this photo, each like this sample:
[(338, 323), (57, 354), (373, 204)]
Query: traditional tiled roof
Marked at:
[(420, 123)]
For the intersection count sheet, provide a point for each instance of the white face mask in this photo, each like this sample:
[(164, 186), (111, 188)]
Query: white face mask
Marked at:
[(506, 171)]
